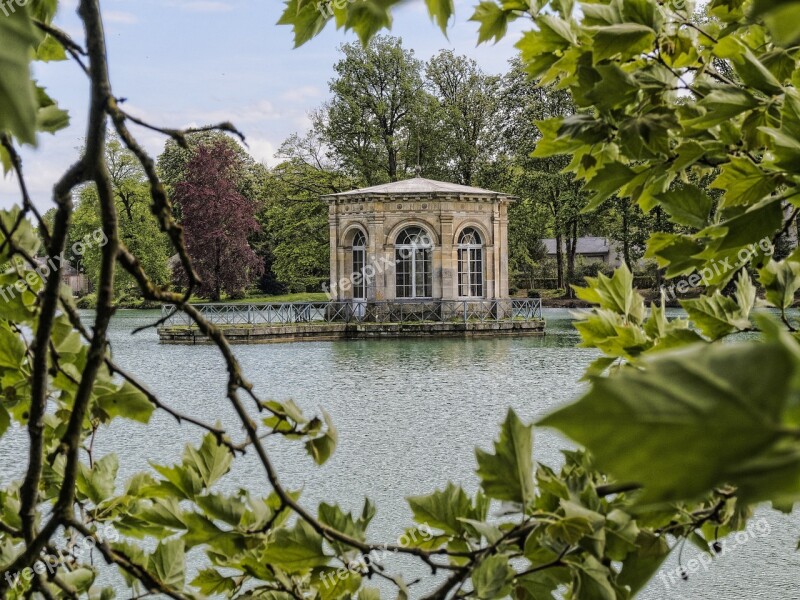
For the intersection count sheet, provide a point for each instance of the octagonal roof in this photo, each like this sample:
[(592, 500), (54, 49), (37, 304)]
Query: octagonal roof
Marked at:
[(419, 185)]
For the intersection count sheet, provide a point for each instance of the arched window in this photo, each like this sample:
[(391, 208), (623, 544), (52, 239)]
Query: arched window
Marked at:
[(359, 262), (413, 252), (470, 264)]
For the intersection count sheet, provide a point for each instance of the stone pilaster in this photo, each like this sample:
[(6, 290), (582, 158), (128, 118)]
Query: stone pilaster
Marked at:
[(447, 260)]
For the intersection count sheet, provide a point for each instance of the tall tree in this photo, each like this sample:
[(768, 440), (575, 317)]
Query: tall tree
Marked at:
[(294, 218), (375, 92), (173, 162), (218, 221), (468, 98), (524, 102), (138, 228)]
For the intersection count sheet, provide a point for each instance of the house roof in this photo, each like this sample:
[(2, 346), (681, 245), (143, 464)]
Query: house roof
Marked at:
[(419, 185), (585, 245)]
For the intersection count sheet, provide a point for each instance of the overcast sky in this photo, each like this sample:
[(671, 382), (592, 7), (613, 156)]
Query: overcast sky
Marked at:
[(194, 62)]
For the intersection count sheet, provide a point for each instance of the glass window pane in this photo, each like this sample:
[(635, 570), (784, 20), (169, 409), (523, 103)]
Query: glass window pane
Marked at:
[(359, 283), (403, 275)]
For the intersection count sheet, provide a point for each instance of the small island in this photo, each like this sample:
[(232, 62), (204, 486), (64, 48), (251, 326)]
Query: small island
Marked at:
[(413, 258)]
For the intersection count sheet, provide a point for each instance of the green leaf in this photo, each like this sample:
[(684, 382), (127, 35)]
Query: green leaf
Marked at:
[(614, 293), (201, 530), (720, 105), (747, 66), (715, 316), (443, 509), (780, 280), (12, 348), (593, 580), (211, 581), (321, 448), (492, 577), (332, 584), (675, 410), (367, 17), (508, 473), (493, 21), (745, 294), (333, 516), (368, 593), (606, 182), (296, 550), (687, 205), (750, 227), (781, 16), (540, 585), (127, 402), (168, 562), (5, 420), (615, 88), (621, 534), (98, 483), (180, 481), (49, 117), (17, 99), (307, 20), (225, 508), (24, 237), (638, 567), (50, 50), (81, 579), (624, 40), (211, 461), (594, 538), (482, 529), (743, 182), (441, 11)]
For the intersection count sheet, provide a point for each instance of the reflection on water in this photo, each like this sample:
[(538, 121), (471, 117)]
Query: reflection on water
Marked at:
[(409, 414)]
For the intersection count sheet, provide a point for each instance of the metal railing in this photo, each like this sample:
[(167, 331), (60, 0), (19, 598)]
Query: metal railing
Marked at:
[(350, 311)]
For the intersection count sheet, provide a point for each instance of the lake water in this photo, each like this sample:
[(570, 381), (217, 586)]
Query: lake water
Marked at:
[(409, 415)]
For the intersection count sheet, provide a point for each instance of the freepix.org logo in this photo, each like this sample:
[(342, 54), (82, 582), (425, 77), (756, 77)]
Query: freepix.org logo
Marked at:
[(9, 7)]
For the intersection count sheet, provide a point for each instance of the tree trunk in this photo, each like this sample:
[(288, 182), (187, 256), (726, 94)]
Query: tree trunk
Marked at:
[(392, 152), (626, 244), (559, 262), (217, 294), (659, 227), (572, 247)]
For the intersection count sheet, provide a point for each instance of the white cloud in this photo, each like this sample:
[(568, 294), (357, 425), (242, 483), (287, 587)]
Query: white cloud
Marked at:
[(257, 112), (202, 6), (302, 93), (120, 17), (262, 150)]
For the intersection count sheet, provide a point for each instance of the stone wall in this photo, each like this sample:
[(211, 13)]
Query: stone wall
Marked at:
[(382, 219)]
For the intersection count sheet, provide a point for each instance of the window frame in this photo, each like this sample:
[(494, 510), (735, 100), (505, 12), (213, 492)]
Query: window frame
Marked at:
[(413, 264), (470, 263), (359, 262)]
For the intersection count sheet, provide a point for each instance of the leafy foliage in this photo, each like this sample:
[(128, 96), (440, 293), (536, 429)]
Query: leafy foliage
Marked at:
[(218, 221), (139, 229), (659, 399)]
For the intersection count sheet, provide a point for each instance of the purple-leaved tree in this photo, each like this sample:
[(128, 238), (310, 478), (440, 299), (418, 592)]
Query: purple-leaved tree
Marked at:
[(218, 221)]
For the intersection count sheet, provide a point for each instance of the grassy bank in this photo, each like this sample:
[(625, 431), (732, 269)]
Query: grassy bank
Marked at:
[(90, 300)]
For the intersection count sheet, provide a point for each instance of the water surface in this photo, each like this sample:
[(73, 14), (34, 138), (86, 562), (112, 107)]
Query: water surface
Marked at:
[(409, 415)]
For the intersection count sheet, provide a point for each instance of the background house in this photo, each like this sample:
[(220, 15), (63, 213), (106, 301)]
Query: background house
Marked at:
[(589, 249), (76, 281)]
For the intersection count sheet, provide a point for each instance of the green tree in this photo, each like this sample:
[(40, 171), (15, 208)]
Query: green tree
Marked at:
[(468, 101), (376, 91), (524, 103), (138, 228)]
